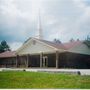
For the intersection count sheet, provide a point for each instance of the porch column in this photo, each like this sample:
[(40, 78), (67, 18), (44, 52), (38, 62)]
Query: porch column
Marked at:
[(27, 60), (16, 60), (41, 57), (57, 58)]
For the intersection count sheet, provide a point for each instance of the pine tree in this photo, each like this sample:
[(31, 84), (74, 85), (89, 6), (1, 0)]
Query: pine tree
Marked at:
[(4, 46)]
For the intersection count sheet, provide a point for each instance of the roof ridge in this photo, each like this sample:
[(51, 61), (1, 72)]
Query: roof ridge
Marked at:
[(56, 45), (69, 45), (66, 45)]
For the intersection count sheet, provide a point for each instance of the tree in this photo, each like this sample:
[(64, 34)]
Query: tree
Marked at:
[(72, 40), (78, 39), (57, 41), (4, 46), (87, 41)]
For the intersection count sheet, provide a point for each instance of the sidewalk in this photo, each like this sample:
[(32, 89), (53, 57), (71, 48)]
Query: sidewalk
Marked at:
[(72, 71)]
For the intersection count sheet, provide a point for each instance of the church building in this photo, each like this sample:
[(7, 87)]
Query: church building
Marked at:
[(40, 53)]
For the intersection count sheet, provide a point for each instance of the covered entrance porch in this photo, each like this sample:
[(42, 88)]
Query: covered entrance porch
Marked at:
[(41, 60)]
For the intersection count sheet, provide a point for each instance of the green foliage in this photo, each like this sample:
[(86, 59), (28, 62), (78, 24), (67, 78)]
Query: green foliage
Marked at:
[(4, 46), (72, 40), (87, 41), (13, 79), (57, 41)]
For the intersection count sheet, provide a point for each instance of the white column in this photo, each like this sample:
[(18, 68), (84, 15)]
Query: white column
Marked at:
[(27, 60), (41, 57), (16, 61), (57, 58)]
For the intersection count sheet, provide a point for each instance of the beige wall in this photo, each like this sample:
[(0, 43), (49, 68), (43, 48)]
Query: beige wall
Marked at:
[(82, 49), (39, 47)]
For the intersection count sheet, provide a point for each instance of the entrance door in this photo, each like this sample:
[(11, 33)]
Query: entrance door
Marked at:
[(45, 61)]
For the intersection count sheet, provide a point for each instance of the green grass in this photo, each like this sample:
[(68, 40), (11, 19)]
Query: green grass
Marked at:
[(13, 79)]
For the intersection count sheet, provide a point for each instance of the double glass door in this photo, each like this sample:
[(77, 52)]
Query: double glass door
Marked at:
[(45, 61)]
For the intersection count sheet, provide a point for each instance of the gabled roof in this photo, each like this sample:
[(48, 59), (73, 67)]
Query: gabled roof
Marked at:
[(65, 46), (7, 54)]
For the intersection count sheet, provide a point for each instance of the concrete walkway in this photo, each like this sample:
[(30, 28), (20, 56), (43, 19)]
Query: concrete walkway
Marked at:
[(53, 70)]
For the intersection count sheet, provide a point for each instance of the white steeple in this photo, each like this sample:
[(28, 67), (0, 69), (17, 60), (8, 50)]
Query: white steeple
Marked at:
[(40, 36)]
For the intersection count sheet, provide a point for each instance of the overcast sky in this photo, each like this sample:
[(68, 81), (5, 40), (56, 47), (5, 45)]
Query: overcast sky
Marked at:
[(62, 19)]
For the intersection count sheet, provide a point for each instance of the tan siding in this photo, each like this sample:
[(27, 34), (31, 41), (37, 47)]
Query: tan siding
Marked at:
[(82, 49), (37, 48)]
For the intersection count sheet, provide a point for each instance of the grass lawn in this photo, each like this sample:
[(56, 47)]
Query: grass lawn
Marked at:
[(21, 79)]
